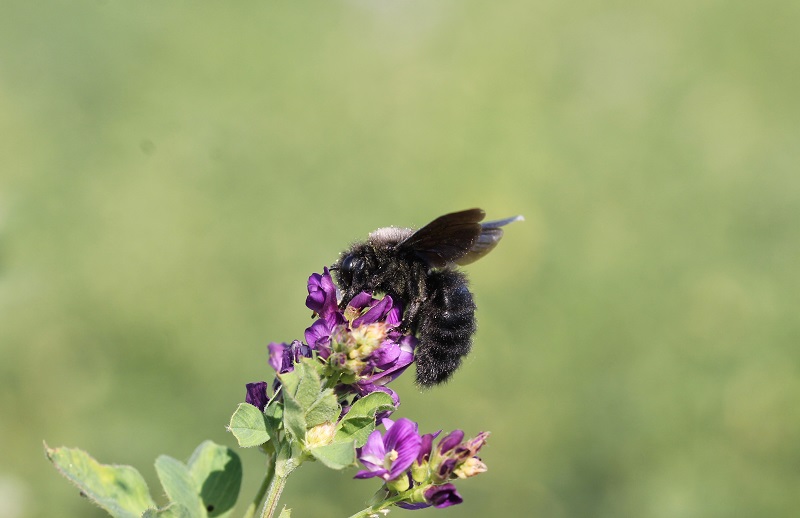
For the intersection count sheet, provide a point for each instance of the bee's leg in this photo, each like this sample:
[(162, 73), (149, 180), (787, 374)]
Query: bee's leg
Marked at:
[(411, 316), (417, 288)]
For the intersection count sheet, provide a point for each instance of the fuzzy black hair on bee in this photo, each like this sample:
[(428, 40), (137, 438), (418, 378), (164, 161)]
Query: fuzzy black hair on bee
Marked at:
[(418, 267)]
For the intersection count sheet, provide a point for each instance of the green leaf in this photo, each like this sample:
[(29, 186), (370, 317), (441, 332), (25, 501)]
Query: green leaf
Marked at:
[(273, 415), (289, 381), (170, 511), (356, 429), (120, 490), (371, 404), (285, 513), (294, 419), (249, 426), (324, 409), (179, 485), (359, 422), (308, 388), (217, 471), (337, 455)]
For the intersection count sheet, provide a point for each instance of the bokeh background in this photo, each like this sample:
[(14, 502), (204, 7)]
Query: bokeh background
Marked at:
[(171, 173)]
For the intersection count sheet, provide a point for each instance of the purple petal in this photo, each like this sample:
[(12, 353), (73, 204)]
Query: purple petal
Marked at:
[(278, 357), (402, 438), (300, 350), (365, 473), (452, 440), (318, 336), (321, 294), (446, 468), (385, 355), (395, 315), (282, 357), (426, 446), (443, 496), (375, 313), (412, 507), (257, 394), (373, 453), (400, 364), (360, 301)]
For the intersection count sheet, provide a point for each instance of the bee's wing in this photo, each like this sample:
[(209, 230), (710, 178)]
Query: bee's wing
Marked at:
[(488, 238), (447, 238)]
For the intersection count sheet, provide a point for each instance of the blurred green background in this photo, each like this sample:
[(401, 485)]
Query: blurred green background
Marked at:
[(171, 173)]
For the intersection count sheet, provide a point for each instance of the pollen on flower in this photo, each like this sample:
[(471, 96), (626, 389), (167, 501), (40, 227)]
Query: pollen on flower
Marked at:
[(392, 456), (369, 337)]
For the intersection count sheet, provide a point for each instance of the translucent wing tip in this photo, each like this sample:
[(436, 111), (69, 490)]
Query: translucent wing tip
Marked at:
[(503, 222)]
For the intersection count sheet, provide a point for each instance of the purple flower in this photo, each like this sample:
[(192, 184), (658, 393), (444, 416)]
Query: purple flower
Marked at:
[(450, 441), (392, 358), (458, 458), (360, 301), (319, 334), (443, 496), (446, 468), (389, 455), (321, 294), (257, 394), (426, 447), (378, 311), (282, 357)]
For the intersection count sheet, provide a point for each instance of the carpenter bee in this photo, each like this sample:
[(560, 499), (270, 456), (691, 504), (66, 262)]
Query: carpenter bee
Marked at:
[(418, 268)]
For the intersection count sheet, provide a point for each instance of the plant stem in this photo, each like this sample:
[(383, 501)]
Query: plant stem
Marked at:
[(251, 509), (373, 509), (276, 486)]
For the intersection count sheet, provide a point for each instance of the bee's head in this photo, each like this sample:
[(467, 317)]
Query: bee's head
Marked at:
[(350, 266), (358, 268), (354, 268)]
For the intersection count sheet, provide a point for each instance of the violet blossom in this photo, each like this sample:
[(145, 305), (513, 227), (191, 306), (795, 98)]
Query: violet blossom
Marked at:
[(361, 344), (389, 455), (427, 481), (282, 356), (257, 394)]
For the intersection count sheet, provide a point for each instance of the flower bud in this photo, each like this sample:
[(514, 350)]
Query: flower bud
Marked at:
[(470, 468), (320, 435), (399, 484), (419, 472)]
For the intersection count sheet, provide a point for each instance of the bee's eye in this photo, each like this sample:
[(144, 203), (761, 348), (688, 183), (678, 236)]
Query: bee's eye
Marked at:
[(351, 263)]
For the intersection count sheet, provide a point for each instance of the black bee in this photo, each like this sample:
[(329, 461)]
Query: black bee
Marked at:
[(418, 268)]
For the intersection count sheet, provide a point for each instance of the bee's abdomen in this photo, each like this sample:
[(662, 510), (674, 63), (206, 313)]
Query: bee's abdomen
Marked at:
[(447, 323)]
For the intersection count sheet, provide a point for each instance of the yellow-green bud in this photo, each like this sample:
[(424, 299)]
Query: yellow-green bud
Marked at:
[(320, 435), (419, 472), (399, 484)]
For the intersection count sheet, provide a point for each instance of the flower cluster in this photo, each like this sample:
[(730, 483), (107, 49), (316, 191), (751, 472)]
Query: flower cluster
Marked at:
[(351, 353), (417, 475), (361, 347)]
